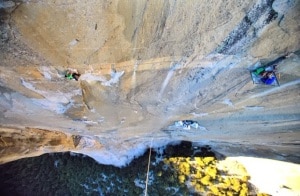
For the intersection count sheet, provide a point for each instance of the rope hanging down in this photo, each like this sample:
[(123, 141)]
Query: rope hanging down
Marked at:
[(146, 189)]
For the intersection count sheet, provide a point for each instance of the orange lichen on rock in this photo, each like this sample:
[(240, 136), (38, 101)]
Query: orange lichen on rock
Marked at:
[(16, 143)]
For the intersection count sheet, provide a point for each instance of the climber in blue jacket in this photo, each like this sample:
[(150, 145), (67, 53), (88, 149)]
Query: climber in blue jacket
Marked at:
[(268, 78)]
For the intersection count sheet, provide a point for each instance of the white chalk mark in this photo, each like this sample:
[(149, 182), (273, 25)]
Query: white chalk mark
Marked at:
[(166, 81)]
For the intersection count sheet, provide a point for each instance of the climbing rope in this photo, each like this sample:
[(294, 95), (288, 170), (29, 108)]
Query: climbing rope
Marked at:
[(146, 189)]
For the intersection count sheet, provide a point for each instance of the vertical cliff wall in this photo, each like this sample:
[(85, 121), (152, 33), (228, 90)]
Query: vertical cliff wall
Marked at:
[(99, 32), (144, 65)]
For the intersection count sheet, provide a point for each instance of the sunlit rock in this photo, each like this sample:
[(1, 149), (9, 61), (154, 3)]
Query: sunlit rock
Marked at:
[(145, 65)]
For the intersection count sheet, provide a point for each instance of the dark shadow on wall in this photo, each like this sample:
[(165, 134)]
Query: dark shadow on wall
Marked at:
[(247, 30)]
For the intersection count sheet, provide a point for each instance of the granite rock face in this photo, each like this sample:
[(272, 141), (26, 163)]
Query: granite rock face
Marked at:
[(144, 65)]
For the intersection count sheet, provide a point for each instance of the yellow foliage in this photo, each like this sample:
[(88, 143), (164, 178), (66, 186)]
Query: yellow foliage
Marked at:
[(220, 178), (245, 178), (214, 190), (181, 179), (184, 169), (229, 193), (212, 172), (243, 192), (222, 194), (244, 186), (227, 182), (199, 162), (180, 168), (166, 161), (205, 180), (235, 184), (204, 176), (207, 160), (223, 186), (198, 175), (186, 165)]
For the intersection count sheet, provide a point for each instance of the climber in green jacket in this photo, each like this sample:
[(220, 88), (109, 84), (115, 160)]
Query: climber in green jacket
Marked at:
[(259, 71), (262, 70), (69, 76), (72, 74)]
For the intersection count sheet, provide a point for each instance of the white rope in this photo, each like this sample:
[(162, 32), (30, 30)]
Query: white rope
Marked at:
[(148, 168)]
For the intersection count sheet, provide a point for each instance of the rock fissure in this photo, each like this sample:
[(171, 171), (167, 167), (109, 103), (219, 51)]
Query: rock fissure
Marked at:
[(256, 19)]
